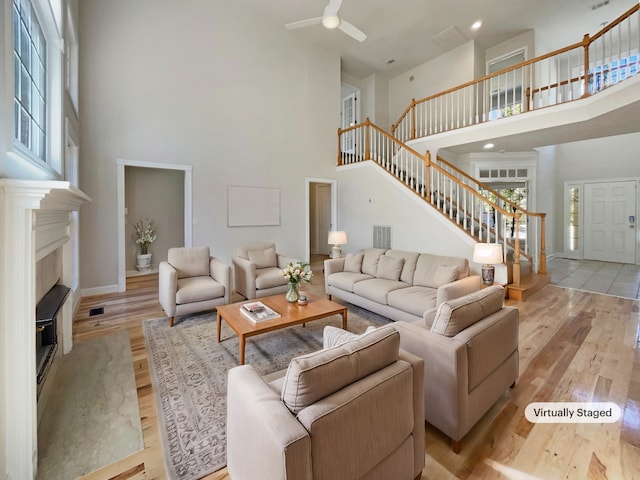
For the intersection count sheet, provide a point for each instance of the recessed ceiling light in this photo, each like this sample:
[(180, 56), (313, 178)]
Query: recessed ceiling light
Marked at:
[(476, 25), (488, 146)]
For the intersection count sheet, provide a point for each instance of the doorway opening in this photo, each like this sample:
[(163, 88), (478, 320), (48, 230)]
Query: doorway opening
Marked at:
[(122, 164), (321, 219)]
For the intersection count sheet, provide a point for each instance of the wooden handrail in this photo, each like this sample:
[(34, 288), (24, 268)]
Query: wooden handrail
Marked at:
[(585, 43)]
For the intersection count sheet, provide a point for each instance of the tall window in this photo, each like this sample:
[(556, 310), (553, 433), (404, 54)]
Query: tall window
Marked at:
[(30, 79)]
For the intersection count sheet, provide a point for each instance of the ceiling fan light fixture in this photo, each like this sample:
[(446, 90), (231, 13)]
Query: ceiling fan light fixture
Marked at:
[(331, 21)]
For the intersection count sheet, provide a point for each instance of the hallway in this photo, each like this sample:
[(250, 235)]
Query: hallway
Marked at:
[(619, 279)]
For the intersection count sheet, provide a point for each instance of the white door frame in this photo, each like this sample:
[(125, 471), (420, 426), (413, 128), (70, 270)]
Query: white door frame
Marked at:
[(334, 209), (188, 210)]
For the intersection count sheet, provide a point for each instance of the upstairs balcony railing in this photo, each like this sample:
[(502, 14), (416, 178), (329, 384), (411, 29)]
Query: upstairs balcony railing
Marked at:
[(452, 192), (576, 71)]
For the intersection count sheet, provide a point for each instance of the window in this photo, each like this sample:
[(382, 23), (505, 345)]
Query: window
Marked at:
[(30, 80)]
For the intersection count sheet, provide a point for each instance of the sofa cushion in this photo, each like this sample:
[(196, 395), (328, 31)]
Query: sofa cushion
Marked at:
[(346, 280), (409, 267), (377, 289), (198, 289), (316, 375), (269, 277), (427, 275), (389, 268), (353, 262), (414, 300), (189, 261), (455, 315), (445, 274), (263, 258), (370, 260), (334, 336)]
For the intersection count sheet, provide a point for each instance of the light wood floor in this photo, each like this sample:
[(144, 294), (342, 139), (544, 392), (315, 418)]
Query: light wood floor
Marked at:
[(574, 346)]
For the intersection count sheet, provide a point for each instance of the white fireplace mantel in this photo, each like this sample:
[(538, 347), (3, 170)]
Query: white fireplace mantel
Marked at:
[(26, 208)]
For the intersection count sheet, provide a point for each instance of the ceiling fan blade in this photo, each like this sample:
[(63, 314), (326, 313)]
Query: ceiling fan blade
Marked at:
[(352, 31), (332, 7), (303, 23)]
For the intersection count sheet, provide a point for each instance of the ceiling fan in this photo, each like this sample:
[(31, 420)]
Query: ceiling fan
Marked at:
[(331, 20)]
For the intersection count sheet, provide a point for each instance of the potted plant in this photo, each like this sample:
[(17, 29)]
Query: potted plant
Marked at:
[(145, 236), (295, 275)]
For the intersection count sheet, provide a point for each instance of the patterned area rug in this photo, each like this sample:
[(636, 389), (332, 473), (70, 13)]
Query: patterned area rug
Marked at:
[(189, 374)]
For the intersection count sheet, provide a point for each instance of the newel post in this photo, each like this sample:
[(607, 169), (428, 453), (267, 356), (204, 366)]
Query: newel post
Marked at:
[(367, 139), (586, 41), (427, 175), (339, 147), (543, 246), (516, 253)]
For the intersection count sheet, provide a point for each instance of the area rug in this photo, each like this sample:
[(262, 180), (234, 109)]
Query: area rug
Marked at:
[(91, 418), (189, 375)]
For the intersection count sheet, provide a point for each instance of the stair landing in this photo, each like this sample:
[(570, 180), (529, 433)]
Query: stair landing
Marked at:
[(529, 284)]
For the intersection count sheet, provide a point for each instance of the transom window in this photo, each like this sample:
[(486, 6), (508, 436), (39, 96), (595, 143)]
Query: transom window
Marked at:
[(30, 79)]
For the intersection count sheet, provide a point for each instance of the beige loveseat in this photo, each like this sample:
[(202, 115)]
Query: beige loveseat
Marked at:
[(470, 353), (397, 284), (352, 411)]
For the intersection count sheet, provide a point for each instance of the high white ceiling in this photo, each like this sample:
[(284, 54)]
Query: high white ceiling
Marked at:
[(404, 30)]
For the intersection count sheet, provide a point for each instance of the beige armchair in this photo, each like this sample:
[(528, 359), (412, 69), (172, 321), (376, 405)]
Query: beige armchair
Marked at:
[(192, 281), (257, 268), (470, 354), (352, 411)]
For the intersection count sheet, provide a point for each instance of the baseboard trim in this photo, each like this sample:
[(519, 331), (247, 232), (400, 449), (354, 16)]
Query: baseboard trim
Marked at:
[(87, 292)]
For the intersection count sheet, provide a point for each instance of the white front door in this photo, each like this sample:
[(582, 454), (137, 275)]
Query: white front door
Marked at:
[(609, 218)]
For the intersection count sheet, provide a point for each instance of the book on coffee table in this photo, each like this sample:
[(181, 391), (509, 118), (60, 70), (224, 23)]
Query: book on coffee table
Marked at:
[(258, 311)]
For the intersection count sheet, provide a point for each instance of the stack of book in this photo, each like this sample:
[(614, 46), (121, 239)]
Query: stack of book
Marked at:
[(258, 312)]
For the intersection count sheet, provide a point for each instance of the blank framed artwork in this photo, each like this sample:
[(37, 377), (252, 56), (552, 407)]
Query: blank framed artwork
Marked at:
[(252, 206)]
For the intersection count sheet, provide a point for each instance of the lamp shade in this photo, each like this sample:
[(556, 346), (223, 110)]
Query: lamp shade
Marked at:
[(337, 237), (487, 253)]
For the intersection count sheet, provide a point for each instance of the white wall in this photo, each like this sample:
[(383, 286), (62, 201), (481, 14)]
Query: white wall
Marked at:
[(209, 84), (369, 196), (441, 73)]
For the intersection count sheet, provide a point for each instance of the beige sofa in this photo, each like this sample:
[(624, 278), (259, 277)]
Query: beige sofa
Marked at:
[(397, 284), (352, 411), (470, 353), (257, 269)]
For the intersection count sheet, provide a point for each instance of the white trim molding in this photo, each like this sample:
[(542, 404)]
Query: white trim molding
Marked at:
[(188, 208), (28, 210)]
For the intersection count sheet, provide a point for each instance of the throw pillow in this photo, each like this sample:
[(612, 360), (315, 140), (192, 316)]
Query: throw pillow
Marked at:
[(334, 336), (455, 315), (445, 274), (353, 263), (389, 268), (263, 258), (370, 260)]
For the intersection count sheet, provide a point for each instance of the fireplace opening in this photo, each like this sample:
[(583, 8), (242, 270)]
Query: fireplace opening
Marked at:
[(47, 329)]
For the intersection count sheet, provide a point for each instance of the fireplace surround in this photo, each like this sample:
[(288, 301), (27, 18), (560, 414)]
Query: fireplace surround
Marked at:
[(35, 221)]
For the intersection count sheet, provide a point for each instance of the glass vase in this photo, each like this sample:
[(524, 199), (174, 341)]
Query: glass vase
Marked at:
[(292, 293)]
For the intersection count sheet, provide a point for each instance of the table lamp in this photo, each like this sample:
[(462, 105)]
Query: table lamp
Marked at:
[(488, 254), (337, 238)]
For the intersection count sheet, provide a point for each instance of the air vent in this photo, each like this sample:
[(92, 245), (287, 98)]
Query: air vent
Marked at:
[(450, 38), (382, 236)]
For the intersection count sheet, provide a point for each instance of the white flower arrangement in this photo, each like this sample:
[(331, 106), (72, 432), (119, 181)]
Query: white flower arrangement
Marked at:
[(145, 235), (297, 273)]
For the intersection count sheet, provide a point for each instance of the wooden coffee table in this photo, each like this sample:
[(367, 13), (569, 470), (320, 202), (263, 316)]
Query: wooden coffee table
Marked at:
[(290, 314)]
